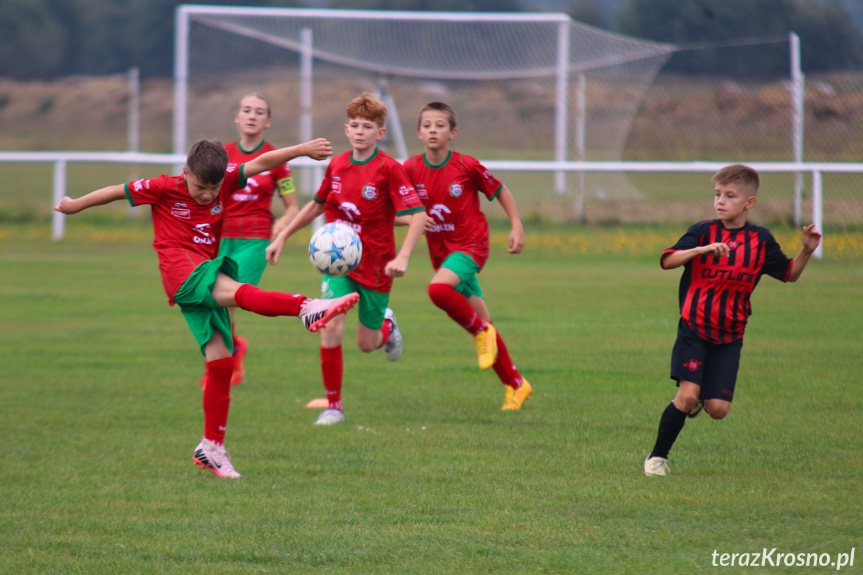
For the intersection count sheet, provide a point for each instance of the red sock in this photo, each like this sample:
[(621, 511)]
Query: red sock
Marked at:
[(504, 367), (332, 368), (269, 303), (457, 307), (386, 330), (217, 398)]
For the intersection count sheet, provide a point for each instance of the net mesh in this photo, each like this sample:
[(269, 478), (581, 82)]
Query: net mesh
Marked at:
[(501, 77)]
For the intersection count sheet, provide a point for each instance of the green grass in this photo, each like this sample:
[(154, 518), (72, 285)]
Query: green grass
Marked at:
[(100, 410)]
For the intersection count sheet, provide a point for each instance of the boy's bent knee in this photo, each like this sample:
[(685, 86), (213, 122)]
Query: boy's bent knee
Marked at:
[(366, 347), (717, 408)]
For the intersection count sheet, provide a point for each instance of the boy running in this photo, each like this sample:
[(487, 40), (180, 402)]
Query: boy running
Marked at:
[(187, 221), (249, 225), (364, 188), (723, 261), (450, 184)]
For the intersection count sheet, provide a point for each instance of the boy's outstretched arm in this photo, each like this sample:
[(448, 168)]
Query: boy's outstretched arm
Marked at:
[(98, 198), (316, 149), (309, 212), (399, 266), (516, 234), (810, 239)]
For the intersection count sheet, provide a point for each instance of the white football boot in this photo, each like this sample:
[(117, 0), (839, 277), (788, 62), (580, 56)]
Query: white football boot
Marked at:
[(318, 312), (656, 466), (210, 456), (331, 417), (394, 345)]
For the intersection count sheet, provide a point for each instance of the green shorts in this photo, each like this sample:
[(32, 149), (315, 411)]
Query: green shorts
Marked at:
[(466, 269), (195, 298), (250, 255), (373, 305)]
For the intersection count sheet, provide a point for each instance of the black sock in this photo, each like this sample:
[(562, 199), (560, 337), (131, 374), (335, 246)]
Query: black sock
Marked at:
[(669, 428)]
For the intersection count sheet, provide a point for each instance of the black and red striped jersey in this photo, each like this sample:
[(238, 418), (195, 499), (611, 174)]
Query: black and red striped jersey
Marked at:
[(715, 291)]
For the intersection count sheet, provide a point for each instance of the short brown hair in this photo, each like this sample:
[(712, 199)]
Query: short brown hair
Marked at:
[(208, 161), (368, 106), (739, 174), (438, 107)]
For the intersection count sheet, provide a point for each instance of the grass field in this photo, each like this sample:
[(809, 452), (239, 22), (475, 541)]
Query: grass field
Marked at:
[(101, 410)]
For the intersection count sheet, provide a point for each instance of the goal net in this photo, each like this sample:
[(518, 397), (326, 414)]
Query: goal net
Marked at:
[(525, 86)]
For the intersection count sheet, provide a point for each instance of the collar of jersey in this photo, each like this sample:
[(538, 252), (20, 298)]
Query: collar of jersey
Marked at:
[(356, 163), (258, 147), (442, 164)]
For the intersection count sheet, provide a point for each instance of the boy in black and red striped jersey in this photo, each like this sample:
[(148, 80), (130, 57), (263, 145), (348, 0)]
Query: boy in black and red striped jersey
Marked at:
[(450, 184), (723, 261), (187, 224), (366, 189)]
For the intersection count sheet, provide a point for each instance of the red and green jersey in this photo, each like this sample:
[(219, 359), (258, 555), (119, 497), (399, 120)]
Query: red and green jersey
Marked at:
[(185, 232), (248, 211), (367, 196), (451, 192), (715, 291)]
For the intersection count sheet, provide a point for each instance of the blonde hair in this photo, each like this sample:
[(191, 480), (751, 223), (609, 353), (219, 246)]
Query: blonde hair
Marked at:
[(368, 106)]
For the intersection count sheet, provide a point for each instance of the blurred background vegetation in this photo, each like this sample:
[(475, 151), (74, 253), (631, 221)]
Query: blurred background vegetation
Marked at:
[(41, 39)]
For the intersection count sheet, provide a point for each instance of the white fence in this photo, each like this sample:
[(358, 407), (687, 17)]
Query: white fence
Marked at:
[(815, 170)]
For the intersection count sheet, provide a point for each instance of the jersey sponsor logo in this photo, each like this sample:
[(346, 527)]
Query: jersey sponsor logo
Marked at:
[(405, 190), (692, 365), (455, 190), (204, 237), (247, 194), (729, 279), (356, 227), (422, 192), (350, 210), (231, 168), (438, 212), (336, 186), (369, 192), (184, 213), (216, 209), (140, 184), (486, 174)]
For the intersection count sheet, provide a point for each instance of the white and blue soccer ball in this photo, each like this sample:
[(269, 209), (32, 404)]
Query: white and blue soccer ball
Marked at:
[(335, 249)]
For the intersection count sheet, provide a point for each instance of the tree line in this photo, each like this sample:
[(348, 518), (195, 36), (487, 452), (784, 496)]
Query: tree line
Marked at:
[(53, 38)]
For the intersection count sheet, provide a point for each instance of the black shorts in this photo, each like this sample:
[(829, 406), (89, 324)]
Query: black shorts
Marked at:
[(713, 366)]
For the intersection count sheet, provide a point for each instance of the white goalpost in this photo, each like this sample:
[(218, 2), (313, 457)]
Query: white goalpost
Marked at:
[(525, 78)]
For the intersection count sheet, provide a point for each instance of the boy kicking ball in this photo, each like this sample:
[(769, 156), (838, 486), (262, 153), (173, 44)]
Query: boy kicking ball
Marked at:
[(723, 261), (187, 221)]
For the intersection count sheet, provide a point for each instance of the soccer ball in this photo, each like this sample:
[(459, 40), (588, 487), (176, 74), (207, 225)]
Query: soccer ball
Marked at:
[(335, 249)]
